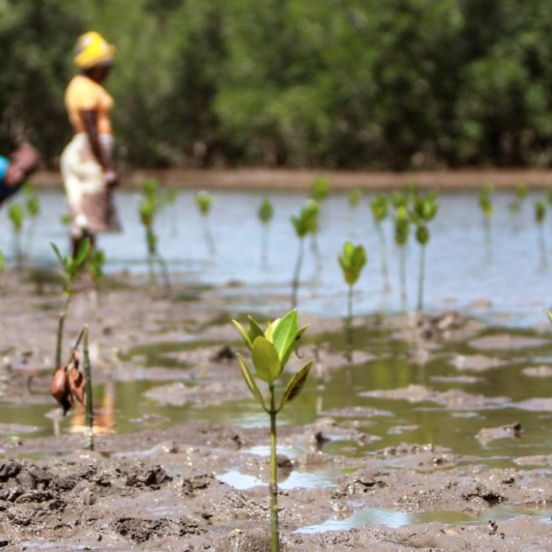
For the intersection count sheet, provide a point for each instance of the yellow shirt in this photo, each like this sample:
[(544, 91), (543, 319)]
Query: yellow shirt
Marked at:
[(83, 94)]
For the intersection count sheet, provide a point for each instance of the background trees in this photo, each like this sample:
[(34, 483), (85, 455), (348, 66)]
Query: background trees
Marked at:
[(343, 83)]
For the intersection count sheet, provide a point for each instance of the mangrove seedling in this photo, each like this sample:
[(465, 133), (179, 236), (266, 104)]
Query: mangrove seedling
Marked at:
[(380, 209), (402, 230), (148, 208), (520, 191), (32, 205), (270, 352), (171, 197), (204, 201), (352, 261), (355, 197), (16, 215), (486, 205), (69, 383), (424, 211), (320, 189), (71, 268), (306, 223), (540, 214), (265, 214)]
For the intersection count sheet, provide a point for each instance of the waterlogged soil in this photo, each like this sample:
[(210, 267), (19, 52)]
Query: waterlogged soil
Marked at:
[(172, 488)]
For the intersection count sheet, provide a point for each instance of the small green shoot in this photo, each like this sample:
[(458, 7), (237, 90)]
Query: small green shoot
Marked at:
[(270, 351), (148, 209), (204, 201), (320, 189), (540, 214), (521, 192), (486, 206), (355, 197), (380, 210), (424, 210), (265, 214), (306, 223), (402, 231), (71, 268), (171, 198), (352, 260)]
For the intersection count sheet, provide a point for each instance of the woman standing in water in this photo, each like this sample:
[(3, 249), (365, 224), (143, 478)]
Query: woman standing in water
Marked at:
[(87, 165)]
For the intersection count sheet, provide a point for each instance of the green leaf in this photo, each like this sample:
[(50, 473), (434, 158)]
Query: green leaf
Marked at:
[(16, 215), (82, 252), (250, 381), (243, 333), (57, 252), (255, 330), (265, 211), (265, 359), (293, 345), (422, 234), (284, 332), (296, 384), (352, 261)]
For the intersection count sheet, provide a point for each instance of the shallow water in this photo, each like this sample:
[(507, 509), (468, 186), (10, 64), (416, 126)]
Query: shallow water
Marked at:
[(509, 281), (459, 272)]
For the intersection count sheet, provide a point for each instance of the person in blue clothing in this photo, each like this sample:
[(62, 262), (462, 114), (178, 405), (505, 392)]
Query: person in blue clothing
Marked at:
[(15, 170)]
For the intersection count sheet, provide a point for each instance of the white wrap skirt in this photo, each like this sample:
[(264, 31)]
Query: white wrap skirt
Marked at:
[(90, 199)]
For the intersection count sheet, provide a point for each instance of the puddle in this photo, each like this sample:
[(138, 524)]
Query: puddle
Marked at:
[(395, 519), (296, 480)]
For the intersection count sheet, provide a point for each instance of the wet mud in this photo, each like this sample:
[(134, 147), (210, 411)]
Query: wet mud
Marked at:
[(203, 486)]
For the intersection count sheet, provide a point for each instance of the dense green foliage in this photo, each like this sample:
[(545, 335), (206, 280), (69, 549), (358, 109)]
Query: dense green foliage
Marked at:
[(343, 83)]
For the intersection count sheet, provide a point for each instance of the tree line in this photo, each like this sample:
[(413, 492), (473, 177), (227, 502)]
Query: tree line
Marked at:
[(394, 85)]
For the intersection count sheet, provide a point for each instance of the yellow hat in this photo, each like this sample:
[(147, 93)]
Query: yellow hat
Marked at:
[(92, 49)]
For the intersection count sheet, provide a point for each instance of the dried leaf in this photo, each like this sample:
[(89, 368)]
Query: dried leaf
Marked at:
[(59, 389), (77, 384)]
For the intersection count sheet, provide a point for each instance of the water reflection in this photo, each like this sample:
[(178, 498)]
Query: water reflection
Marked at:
[(393, 518)]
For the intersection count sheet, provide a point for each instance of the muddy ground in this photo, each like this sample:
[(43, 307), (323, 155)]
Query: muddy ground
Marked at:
[(156, 489)]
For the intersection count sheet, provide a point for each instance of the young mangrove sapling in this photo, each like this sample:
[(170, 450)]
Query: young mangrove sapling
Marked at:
[(265, 214), (270, 352), (380, 209), (71, 268), (424, 211), (402, 230), (352, 261), (148, 208), (306, 223), (486, 206), (204, 201), (540, 214)]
